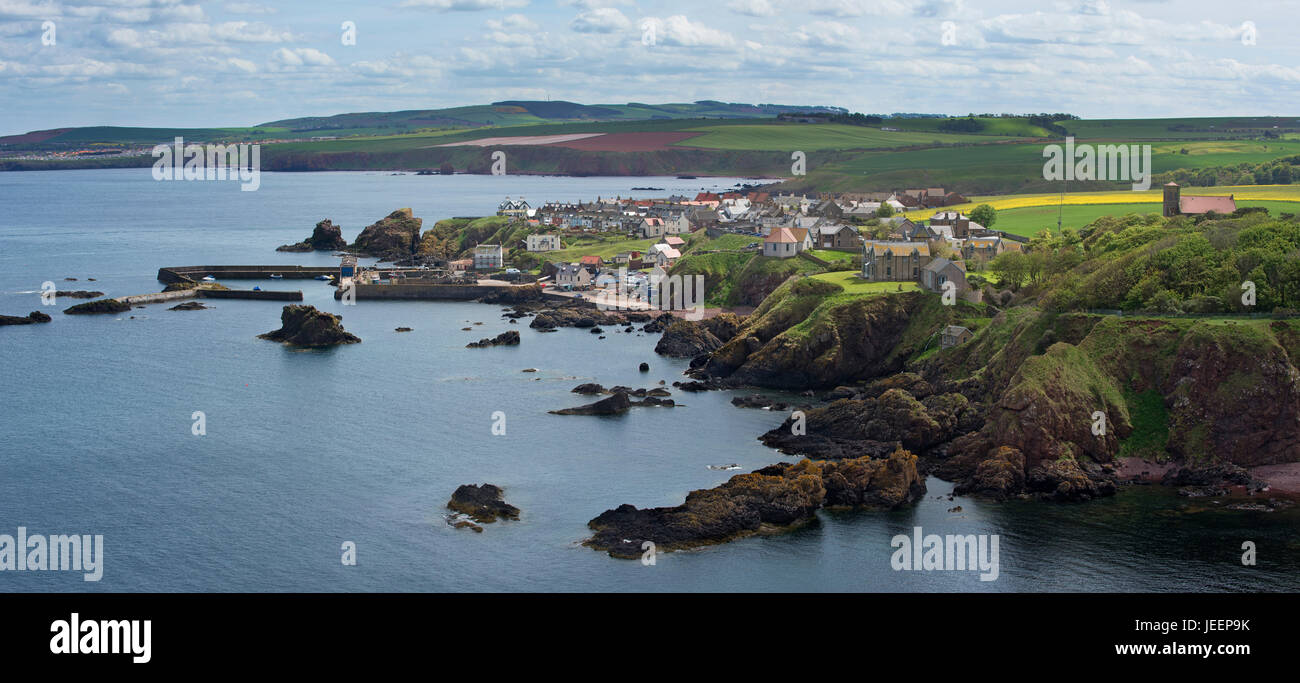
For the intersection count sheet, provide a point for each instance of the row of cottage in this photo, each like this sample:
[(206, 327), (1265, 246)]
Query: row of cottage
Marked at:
[(752, 211), (592, 270), (908, 253)]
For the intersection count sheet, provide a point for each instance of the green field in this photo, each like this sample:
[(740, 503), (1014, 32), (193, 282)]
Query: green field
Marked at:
[(725, 242), (606, 249), (1029, 221), (1007, 127), (1004, 156), (787, 137), (1181, 129), (832, 255), (978, 169), (853, 284)]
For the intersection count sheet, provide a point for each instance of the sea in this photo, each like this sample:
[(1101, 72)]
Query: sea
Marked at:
[(305, 453)]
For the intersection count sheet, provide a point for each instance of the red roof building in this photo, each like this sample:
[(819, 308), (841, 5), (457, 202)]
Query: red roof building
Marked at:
[(1175, 204)]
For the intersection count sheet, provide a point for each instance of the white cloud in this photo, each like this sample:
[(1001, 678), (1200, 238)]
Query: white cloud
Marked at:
[(513, 22), (248, 8), (680, 31), (464, 5), (753, 8), (858, 8), (301, 56), (600, 20)]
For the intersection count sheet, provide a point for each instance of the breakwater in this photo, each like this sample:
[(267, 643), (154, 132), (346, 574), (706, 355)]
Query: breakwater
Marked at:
[(171, 274)]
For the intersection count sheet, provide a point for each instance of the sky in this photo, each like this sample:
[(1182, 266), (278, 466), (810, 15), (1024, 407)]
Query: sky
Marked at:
[(197, 64)]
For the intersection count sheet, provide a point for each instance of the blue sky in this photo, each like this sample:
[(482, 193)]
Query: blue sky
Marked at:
[(182, 63)]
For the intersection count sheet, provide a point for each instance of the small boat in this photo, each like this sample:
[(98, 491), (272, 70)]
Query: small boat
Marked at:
[(276, 276), (257, 289), (209, 278), (324, 278)]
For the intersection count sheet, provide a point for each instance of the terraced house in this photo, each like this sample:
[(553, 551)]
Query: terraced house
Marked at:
[(982, 249), (884, 261)]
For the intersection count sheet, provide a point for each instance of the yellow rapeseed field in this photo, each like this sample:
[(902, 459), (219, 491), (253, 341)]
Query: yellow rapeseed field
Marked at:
[(1280, 193)]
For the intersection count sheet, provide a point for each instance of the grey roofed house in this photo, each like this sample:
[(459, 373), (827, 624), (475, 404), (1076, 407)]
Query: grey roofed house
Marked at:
[(914, 232), (941, 270), (953, 335)]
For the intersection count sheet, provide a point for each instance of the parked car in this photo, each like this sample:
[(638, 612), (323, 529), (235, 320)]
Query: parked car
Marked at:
[(512, 271)]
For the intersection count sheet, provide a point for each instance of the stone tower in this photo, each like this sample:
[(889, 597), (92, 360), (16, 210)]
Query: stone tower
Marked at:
[(1171, 200)]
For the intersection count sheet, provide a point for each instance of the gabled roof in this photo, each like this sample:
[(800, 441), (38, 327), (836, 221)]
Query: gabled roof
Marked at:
[(937, 265), (954, 330), (781, 236), (1199, 205), (880, 248)]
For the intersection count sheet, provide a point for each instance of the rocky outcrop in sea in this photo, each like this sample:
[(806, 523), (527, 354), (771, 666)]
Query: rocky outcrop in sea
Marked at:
[(305, 326), (325, 237), (391, 238), (30, 318), (770, 499)]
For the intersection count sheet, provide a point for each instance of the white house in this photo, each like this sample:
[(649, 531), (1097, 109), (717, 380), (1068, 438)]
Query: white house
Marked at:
[(572, 275), (542, 242), (488, 257), (782, 243)]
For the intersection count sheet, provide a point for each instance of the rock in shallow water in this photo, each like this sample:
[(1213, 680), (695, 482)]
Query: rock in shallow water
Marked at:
[(305, 326), (483, 503), (769, 499), (508, 338)]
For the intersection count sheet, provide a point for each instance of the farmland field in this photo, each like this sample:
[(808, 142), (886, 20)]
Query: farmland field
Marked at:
[(974, 169), (1176, 129), (788, 137), (1028, 214)]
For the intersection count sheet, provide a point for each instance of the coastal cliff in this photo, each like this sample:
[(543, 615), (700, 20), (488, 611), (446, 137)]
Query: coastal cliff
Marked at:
[(393, 237), (1036, 403)]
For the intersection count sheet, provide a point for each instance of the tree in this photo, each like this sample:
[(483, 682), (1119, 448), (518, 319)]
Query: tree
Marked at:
[(985, 215), (885, 210)]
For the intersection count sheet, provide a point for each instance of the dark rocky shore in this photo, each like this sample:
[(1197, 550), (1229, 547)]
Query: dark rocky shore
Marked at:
[(771, 499)]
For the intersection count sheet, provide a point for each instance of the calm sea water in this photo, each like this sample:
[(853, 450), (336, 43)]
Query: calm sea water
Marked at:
[(365, 443)]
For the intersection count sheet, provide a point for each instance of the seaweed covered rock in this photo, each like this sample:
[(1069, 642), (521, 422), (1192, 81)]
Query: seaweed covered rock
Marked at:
[(874, 426), (572, 316), (1000, 475), (616, 404), (1065, 480), (507, 338), (305, 326), (687, 339), (99, 306), (30, 318), (483, 503), (325, 237), (769, 499)]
